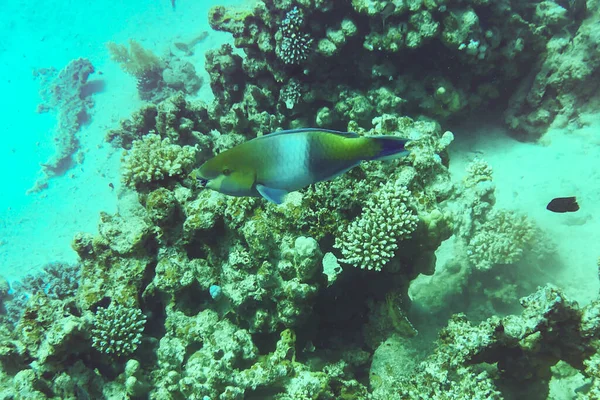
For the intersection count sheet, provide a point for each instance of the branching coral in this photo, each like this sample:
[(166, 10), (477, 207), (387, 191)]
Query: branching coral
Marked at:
[(370, 241), (502, 239), (61, 280), (290, 94), (136, 60), (57, 280), (154, 159), (293, 43), (118, 329)]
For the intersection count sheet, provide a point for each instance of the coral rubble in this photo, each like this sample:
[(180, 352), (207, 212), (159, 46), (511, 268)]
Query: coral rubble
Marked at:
[(69, 93)]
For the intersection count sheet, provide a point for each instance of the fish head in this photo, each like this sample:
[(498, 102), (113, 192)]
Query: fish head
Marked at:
[(226, 176)]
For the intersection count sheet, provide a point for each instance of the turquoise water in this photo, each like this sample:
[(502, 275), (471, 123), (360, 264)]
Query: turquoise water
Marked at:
[(123, 277), (38, 229)]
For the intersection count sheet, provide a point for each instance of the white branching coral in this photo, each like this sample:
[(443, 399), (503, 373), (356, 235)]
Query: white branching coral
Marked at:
[(370, 240), (501, 239), (293, 43), (118, 329), (153, 159)]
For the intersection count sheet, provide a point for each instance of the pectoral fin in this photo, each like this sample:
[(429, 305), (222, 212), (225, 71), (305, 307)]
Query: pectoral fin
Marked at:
[(273, 195)]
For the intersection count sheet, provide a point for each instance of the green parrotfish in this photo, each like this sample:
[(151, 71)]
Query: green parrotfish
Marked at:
[(273, 165)]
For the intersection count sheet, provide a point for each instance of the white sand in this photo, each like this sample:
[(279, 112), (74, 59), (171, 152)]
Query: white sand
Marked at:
[(528, 176), (38, 229)]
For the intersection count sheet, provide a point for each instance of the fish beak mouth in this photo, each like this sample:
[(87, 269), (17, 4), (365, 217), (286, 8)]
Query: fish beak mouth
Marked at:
[(202, 182)]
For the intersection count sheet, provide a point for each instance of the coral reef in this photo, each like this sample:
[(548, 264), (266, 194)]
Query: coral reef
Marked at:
[(564, 83), (387, 49), (69, 93), (157, 78), (501, 358), (223, 285), (187, 293)]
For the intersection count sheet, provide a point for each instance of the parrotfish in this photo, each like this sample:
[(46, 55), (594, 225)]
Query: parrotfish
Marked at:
[(273, 165)]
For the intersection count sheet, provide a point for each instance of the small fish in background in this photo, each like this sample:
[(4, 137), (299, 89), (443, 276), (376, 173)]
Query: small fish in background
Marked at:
[(173, 4), (273, 165), (187, 48), (563, 205)]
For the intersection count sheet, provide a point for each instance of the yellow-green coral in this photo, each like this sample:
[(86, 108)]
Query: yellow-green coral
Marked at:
[(136, 60)]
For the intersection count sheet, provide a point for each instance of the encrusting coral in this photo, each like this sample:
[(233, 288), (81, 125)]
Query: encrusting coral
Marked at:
[(560, 89), (153, 159)]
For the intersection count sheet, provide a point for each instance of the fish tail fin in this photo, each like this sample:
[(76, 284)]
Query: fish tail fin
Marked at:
[(389, 147)]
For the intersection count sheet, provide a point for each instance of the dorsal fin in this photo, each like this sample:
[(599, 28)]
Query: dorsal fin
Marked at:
[(301, 130)]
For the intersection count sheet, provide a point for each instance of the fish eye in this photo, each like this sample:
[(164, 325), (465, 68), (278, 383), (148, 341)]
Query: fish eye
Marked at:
[(202, 182), (226, 171)]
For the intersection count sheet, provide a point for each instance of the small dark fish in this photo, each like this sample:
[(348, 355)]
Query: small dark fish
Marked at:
[(563, 204), (111, 186), (173, 4)]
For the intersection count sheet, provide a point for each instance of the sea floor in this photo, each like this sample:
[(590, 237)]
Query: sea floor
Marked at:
[(528, 175), (36, 229)]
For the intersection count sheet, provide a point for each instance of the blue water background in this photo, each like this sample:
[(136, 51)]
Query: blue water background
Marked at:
[(38, 228)]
